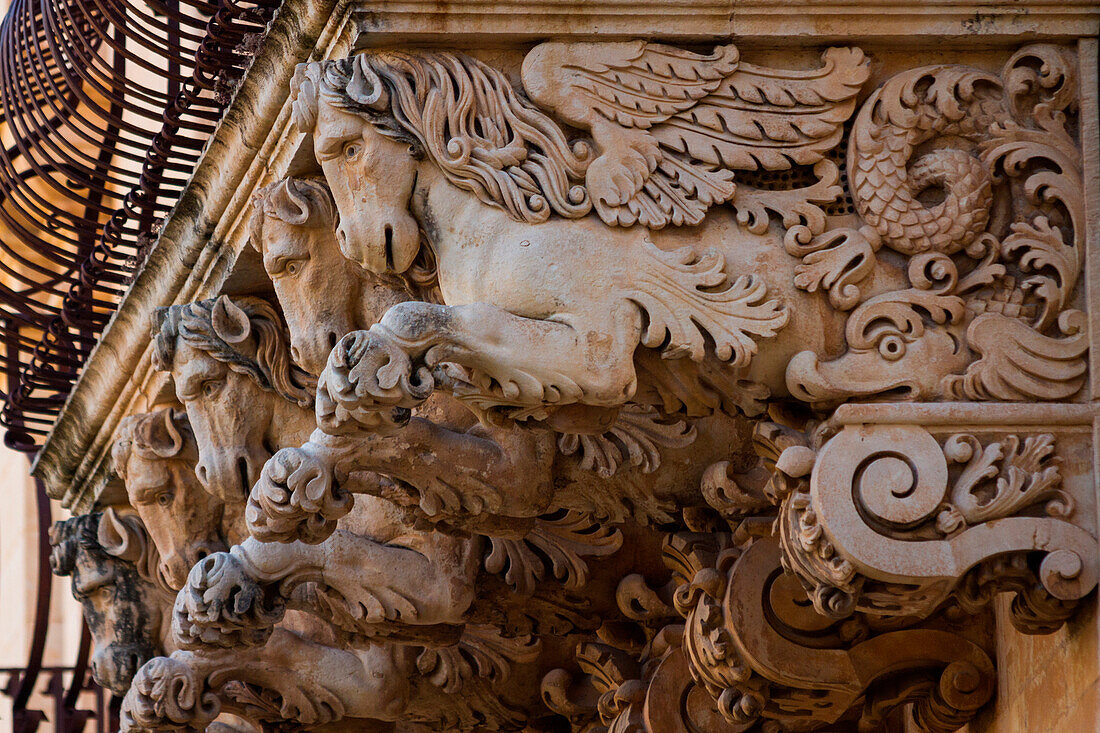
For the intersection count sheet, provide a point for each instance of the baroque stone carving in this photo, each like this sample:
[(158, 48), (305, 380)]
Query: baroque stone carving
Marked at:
[(398, 588), (998, 313), (155, 455), (294, 227), (621, 388), (123, 607), (873, 491), (384, 112)]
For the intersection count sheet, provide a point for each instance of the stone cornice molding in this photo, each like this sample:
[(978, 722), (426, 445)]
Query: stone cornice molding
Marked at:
[(773, 21)]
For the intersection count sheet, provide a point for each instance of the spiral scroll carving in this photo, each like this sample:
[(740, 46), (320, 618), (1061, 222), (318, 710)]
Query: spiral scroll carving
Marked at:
[(890, 521)]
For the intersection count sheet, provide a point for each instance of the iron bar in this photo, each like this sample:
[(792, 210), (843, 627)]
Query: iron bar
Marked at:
[(108, 105)]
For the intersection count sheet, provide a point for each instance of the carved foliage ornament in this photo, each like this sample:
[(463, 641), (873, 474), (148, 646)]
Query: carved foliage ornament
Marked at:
[(525, 332), (971, 274), (890, 521), (990, 296)]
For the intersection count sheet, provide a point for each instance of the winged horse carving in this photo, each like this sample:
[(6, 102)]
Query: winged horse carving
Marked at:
[(434, 159)]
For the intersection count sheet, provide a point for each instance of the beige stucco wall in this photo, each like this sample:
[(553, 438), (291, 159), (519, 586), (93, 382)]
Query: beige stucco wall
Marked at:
[(18, 582)]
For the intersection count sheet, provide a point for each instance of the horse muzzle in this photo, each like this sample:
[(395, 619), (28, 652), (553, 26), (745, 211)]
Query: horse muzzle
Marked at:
[(115, 665)]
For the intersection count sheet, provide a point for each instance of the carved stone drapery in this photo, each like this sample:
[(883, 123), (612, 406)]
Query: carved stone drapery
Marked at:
[(624, 386)]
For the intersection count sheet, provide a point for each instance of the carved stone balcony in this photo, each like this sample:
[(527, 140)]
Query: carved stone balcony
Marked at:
[(612, 367)]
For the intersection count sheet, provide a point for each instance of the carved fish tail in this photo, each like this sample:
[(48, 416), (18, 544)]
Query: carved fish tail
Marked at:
[(911, 109)]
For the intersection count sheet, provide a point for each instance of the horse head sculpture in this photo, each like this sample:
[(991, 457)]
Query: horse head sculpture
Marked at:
[(231, 366), (155, 455), (112, 565)]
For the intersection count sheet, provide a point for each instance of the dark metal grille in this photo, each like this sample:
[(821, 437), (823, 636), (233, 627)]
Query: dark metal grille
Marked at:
[(107, 105)]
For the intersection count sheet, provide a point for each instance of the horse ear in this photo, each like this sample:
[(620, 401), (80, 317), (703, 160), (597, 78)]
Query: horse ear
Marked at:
[(63, 549), (120, 538), (230, 323), (366, 87), (165, 439)]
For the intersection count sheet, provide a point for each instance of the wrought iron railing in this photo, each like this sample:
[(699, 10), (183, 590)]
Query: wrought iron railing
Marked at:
[(107, 105)]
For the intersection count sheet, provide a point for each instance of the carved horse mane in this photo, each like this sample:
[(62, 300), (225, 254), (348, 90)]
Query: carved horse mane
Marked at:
[(463, 115), (221, 328)]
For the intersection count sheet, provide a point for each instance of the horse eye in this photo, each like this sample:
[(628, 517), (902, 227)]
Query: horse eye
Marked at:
[(164, 498), (351, 150), (293, 268), (211, 388)]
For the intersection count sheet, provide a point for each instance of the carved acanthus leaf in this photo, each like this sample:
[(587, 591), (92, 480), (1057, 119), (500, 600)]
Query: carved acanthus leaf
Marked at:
[(696, 388), (799, 209), (837, 262), (1038, 246), (636, 439), (689, 298), (481, 652), (1022, 475), (555, 548)]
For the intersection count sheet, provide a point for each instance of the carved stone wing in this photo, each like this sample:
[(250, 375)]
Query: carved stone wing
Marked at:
[(632, 84), (769, 118), (671, 125)]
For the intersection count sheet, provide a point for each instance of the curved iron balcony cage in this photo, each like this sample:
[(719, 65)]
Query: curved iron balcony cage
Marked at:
[(106, 106)]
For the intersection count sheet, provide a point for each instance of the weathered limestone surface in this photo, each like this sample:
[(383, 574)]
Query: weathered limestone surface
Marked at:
[(1046, 682), (612, 367)]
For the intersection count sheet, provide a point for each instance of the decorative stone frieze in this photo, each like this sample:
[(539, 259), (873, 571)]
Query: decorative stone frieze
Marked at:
[(612, 384)]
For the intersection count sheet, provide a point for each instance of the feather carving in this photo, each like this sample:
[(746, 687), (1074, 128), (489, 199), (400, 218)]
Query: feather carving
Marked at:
[(672, 126)]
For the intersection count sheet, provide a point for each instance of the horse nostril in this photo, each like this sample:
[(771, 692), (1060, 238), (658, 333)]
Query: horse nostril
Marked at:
[(242, 469), (136, 662), (389, 248), (200, 471)]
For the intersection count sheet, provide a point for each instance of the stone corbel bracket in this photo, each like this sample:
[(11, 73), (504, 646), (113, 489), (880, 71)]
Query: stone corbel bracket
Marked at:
[(752, 654), (776, 659), (904, 508)]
